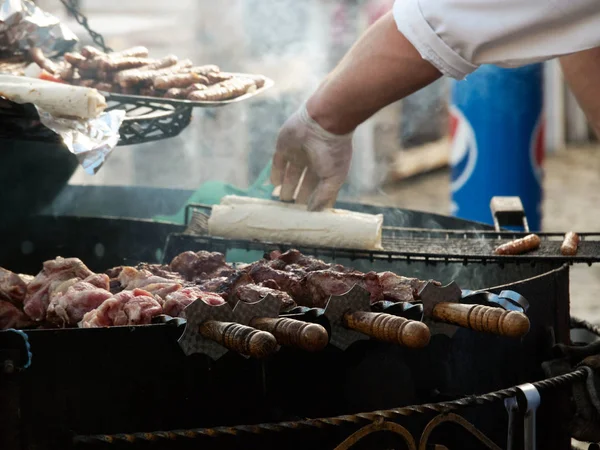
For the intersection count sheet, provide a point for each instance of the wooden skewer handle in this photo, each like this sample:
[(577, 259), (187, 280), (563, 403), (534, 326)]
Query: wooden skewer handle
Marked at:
[(483, 318), (389, 328), (311, 337), (240, 338)]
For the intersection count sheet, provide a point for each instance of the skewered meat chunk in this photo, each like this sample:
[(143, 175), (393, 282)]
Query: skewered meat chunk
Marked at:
[(69, 307), (56, 270), (321, 284), (135, 307), (294, 257), (286, 281), (201, 265), (226, 286), (252, 293), (12, 317), (177, 301), (161, 270), (131, 278), (12, 287), (400, 289)]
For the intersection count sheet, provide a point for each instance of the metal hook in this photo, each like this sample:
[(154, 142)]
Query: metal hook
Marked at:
[(531, 401)]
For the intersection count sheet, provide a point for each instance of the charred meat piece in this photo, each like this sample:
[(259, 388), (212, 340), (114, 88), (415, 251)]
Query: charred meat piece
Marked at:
[(12, 287), (12, 317), (321, 284), (68, 308), (56, 270), (202, 265), (226, 286), (400, 289), (176, 302), (135, 307), (294, 257), (287, 282), (252, 293)]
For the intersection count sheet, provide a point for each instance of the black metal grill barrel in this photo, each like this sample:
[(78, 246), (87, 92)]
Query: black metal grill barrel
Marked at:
[(127, 380)]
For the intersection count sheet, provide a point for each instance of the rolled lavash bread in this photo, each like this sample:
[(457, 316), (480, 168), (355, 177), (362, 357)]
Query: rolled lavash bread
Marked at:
[(60, 100), (271, 221)]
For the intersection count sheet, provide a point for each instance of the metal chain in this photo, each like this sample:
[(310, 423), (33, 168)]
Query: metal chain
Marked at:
[(354, 419), (73, 8)]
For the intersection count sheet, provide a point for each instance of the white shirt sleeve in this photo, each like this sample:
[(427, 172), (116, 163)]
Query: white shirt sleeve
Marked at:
[(457, 36)]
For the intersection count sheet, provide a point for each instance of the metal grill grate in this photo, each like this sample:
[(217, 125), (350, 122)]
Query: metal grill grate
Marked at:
[(430, 245)]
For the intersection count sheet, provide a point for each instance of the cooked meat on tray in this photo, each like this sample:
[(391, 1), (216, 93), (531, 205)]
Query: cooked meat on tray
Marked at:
[(66, 293), (133, 71)]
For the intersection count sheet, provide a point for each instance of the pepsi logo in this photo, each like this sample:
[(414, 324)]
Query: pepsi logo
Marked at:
[(463, 150)]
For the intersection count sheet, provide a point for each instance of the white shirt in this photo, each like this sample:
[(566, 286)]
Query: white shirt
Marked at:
[(457, 36)]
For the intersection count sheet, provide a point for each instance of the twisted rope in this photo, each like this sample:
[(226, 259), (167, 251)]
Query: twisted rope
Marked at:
[(353, 419)]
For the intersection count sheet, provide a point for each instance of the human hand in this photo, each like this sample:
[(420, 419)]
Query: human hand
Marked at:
[(305, 148)]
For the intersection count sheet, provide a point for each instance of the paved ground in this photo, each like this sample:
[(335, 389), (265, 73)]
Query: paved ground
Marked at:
[(572, 202)]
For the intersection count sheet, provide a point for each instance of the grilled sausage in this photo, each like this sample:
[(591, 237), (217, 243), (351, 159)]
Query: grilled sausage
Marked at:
[(217, 77), (145, 75), (66, 71), (162, 63), (90, 52), (223, 91), (38, 57), (570, 244), (124, 63), (194, 87), (203, 70), (148, 91), (138, 52), (87, 82), (259, 81), (103, 86), (175, 93), (179, 80), (518, 246), (74, 58)]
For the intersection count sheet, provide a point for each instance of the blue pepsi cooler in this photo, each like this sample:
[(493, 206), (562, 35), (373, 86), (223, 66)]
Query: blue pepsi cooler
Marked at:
[(497, 133)]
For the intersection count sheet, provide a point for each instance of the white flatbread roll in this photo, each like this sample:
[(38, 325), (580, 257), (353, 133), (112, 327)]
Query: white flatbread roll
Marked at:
[(271, 221), (60, 100)]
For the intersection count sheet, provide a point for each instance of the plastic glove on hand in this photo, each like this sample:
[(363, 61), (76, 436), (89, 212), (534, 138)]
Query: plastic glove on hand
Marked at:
[(305, 148)]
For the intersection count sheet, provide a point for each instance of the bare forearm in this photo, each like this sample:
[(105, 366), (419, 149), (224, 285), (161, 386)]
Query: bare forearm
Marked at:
[(381, 68), (581, 71)]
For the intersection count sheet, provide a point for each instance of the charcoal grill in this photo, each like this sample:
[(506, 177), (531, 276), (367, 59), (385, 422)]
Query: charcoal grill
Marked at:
[(142, 383)]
